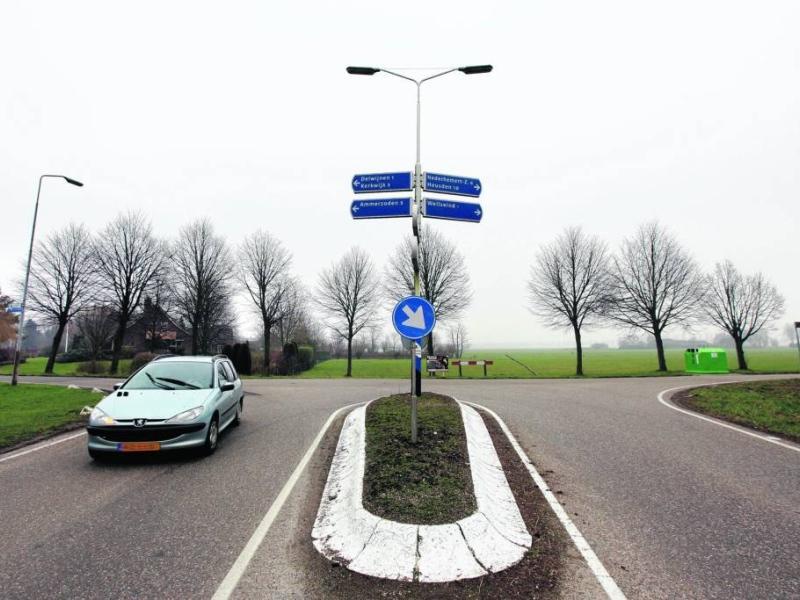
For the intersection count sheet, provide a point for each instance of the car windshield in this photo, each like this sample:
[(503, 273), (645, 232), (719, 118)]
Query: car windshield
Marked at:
[(173, 375)]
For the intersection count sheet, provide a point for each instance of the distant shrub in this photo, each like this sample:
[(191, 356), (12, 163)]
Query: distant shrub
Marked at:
[(92, 367), (75, 355), (129, 352), (140, 360), (305, 357)]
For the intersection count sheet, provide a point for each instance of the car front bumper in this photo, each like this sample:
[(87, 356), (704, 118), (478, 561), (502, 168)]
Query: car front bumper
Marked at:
[(170, 437)]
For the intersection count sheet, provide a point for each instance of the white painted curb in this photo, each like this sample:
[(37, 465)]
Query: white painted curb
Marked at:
[(490, 540)]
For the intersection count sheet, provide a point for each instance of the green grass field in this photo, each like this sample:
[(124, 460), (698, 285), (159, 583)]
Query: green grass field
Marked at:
[(35, 366), (30, 410), (558, 363), (772, 406)]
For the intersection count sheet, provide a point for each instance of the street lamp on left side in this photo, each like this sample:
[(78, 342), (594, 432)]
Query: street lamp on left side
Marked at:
[(20, 326)]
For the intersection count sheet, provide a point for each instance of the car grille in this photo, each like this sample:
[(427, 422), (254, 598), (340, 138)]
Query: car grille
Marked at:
[(151, 433)]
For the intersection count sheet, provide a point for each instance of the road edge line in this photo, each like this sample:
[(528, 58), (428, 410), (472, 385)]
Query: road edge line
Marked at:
[(738, 428), (41, 446), (602, 575), (234, 575)]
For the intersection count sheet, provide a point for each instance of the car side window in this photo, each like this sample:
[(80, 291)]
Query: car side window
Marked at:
[(221, 374), (232, 376)]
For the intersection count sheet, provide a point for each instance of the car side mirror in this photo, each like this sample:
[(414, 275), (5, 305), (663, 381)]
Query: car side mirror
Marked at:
[(227, 387), (117, 386)]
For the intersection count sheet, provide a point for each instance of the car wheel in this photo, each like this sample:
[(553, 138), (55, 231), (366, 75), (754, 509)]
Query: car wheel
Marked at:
[(98, 456), (237, 420), (212, 436)]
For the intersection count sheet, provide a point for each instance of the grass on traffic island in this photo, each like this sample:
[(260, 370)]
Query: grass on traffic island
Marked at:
[(28, 412), (427, 483), (769, 406), (440, 459)]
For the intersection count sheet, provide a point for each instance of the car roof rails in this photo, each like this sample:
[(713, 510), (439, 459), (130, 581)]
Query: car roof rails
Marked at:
[(222, 356), (160, 356)]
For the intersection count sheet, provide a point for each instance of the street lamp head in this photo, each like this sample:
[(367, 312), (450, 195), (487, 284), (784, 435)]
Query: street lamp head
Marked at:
[(475, 69), (73, 181), (362, 70)]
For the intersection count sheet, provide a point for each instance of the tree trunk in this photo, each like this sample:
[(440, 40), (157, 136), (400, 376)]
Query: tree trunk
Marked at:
[(740, 354), (265, 362), (51, 360), (662, 361), (578, 351), (119, 337), (194, 338), (430, 344), (349, 356)]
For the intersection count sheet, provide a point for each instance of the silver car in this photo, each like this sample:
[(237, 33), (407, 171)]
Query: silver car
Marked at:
[(173, 402)]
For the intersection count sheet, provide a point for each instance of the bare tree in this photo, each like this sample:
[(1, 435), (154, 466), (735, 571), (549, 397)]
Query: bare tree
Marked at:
[(741, 305), (157, 308), (654, 284), (458, 339), (348, 293), (96, 325), (62, 281), (263, 272), (444, 280), (569, 284), (128, 258), (8, 321), (202, 267), (293, 312)]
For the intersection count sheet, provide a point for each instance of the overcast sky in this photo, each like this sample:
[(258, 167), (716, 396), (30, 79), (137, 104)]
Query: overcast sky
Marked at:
[(604, 115)]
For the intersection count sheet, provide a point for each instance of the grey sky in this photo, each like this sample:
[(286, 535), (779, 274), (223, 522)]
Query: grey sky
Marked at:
[(599, 114)]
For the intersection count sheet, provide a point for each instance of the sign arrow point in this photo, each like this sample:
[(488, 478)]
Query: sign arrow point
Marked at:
[(416, 318)]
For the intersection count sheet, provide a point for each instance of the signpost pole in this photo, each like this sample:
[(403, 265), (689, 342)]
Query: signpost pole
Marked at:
[(797, 335), (416, 375)]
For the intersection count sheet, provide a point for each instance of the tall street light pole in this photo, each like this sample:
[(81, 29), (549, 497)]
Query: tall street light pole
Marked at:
[(21, 324), (416, 218)]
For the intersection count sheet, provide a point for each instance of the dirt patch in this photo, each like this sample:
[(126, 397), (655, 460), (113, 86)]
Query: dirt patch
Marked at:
[(536, 576)]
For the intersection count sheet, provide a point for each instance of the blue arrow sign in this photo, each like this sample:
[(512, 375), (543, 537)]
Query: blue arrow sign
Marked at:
[(14, 310), (382, 182), (451, 184), (435, 208), (381, 208), (413, 317)]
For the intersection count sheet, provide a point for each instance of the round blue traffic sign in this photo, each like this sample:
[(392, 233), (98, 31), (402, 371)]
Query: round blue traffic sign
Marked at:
[(413, 317)]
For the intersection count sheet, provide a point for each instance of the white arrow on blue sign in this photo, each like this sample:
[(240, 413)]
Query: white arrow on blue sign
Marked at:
[(381, 208), (383, 182), (451, 184), (413, 317), (434, 208), (15, 310)]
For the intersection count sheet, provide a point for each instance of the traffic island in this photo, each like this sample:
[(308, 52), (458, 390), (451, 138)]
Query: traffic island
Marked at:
[(440, 513), (769, 406)]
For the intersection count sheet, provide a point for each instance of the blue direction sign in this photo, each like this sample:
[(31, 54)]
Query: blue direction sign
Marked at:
[(382, 182), (413, 317), (381, 208), (435, 208), (451, 184), (14, 310)]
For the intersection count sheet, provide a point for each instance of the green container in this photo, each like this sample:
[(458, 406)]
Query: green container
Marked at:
[(706, 360)]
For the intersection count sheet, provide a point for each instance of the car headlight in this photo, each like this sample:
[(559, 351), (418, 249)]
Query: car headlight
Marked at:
[(98, 417), (187, 415)]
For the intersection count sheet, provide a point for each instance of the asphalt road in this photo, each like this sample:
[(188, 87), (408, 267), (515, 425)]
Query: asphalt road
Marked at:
[(672, 505)]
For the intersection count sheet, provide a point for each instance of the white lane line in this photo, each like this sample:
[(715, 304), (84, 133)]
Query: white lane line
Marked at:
[(42, 446), (601, 574), (767, 438), (231, 580)]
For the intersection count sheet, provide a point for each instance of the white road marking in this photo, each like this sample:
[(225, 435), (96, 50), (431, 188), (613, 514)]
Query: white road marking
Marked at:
[(41, 446), (767, 438), (228, 585), (601, 574)]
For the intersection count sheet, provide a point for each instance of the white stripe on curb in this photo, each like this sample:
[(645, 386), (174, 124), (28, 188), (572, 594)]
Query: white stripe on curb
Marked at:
[(42, 446), (236, 571), (767, 438), (603, 577)]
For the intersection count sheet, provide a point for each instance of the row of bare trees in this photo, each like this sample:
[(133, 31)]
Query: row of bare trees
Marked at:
[(651, 284)]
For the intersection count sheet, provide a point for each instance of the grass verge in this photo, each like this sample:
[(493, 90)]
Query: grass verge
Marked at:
[(29, 411), (427, 483), (770, 406), (35, 366)]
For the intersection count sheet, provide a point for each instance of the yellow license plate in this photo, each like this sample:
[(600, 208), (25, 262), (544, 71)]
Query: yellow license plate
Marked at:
[(138, 446)]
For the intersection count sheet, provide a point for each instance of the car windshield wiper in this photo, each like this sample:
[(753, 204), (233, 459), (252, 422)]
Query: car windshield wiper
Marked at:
[(179, 382), (155, 383)]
